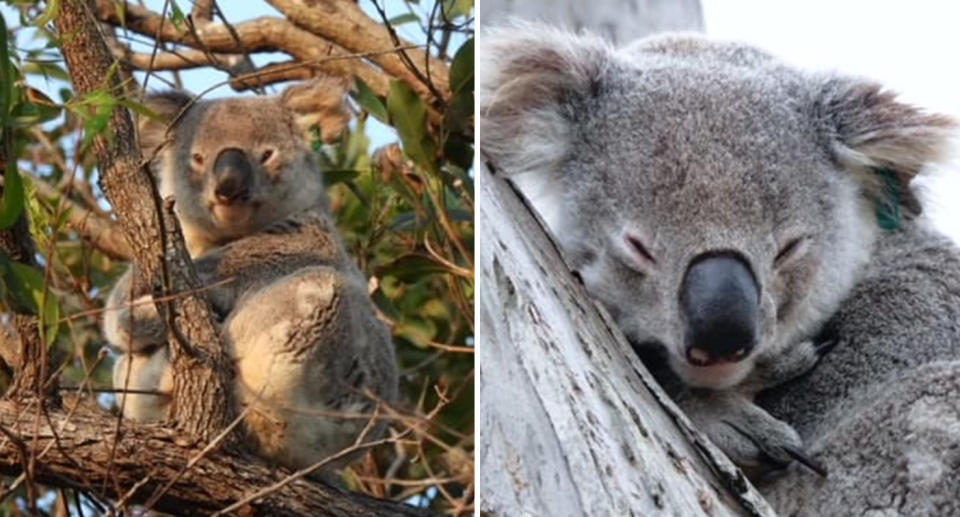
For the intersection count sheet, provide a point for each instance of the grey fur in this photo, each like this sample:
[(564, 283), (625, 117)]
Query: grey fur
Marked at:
[(296, 314), (691, 146)]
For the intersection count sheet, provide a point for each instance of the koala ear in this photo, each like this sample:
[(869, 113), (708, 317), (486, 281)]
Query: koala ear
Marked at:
[(527, 74), (883, 142), (320, 103), (167, 105)]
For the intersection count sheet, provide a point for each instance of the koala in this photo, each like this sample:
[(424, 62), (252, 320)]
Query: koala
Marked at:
[(720, 204), (293, 307)]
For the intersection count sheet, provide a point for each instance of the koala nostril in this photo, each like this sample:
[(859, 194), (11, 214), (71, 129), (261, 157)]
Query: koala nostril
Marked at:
[(698, 356), (230, 189)]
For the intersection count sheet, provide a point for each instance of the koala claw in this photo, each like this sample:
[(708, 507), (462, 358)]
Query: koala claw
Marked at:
[(825, 347), (782, 457), (756, 441)]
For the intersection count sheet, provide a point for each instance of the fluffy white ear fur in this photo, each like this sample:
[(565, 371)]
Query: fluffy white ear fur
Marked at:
[(525, 72), (870, 131)]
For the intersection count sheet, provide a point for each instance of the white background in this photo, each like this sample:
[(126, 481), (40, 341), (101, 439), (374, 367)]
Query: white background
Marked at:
[(911, 47)]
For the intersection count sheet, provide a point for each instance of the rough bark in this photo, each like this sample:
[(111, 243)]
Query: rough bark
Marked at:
[(147, 457), (570, 421), (619, 21), (203, 372)]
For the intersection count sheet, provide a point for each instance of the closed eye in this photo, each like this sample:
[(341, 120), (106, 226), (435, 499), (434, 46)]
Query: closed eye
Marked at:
[(792, 249), (637, 246)]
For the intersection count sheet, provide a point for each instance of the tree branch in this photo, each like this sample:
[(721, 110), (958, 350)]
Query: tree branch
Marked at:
[(147, 456), (345, 24), (259, 35)]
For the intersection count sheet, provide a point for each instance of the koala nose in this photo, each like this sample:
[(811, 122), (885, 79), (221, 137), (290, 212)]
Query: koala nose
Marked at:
[(720, 300), (233, 173)]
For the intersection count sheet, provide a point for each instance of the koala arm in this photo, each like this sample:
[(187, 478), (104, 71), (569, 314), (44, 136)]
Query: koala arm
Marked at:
[(131, 321), (754, 439), (302, 240)]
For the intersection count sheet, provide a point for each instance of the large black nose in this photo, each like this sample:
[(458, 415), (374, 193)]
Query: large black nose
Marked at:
[(233, 175), (720, 300)]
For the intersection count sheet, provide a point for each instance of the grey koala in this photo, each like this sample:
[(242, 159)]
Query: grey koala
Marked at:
[(720, 204), (295, 311)]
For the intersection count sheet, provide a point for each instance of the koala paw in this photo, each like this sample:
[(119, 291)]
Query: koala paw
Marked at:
[(790, 363), (757, 442), (135, 326)]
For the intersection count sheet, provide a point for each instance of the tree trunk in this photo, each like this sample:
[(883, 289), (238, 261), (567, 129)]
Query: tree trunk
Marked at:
[(570, 421)]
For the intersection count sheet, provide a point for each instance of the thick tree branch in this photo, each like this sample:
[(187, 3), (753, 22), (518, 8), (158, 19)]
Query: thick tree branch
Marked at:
[(345, 24), (259, 35), (147, 456), (203, 371)]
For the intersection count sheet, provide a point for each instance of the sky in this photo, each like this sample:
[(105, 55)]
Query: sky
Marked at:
[(911, 47)]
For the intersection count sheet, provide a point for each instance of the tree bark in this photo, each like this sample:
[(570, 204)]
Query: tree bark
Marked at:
[(202, 405), (570, 421), (147, 457)]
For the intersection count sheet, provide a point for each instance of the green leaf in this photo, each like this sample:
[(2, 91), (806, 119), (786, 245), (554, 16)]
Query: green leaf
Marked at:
[(455, 8), (461, 70), (48, 14), (411, 268), (408, 114), (369, 101), (11, 204), (403, 18), (17, 280), (176, 15), (13, 198)]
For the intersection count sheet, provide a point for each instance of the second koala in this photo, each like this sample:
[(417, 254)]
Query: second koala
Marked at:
[(295, 311), (719, 203)]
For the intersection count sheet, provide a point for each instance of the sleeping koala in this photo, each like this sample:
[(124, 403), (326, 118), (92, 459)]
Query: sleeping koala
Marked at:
[(720, 204), (295, 311)]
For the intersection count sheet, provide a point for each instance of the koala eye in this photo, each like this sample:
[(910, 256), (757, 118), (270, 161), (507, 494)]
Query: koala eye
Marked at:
[(197, 159), (266, 155), (639, 251), (793, 249)]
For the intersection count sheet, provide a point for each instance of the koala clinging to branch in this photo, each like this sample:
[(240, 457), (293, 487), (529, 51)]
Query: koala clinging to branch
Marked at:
[(720, 204), (296, 315)]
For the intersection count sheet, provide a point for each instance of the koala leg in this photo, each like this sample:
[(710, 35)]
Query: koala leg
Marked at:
[(144, 372), (302, 360)]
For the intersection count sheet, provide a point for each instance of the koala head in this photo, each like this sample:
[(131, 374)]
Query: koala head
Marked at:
[(719, 203), (237, 165)]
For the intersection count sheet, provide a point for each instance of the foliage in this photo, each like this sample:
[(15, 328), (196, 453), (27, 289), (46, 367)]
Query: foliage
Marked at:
[(405, 211)]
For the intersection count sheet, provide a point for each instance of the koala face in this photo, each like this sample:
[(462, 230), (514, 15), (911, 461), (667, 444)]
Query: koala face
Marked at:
[(718, 203), (235, 166)]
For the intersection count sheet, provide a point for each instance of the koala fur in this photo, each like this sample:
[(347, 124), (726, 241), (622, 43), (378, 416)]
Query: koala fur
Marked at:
[(294, 308), (721, 205)]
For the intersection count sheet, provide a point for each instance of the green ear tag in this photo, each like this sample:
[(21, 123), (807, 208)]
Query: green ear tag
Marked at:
[(888, 207)]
